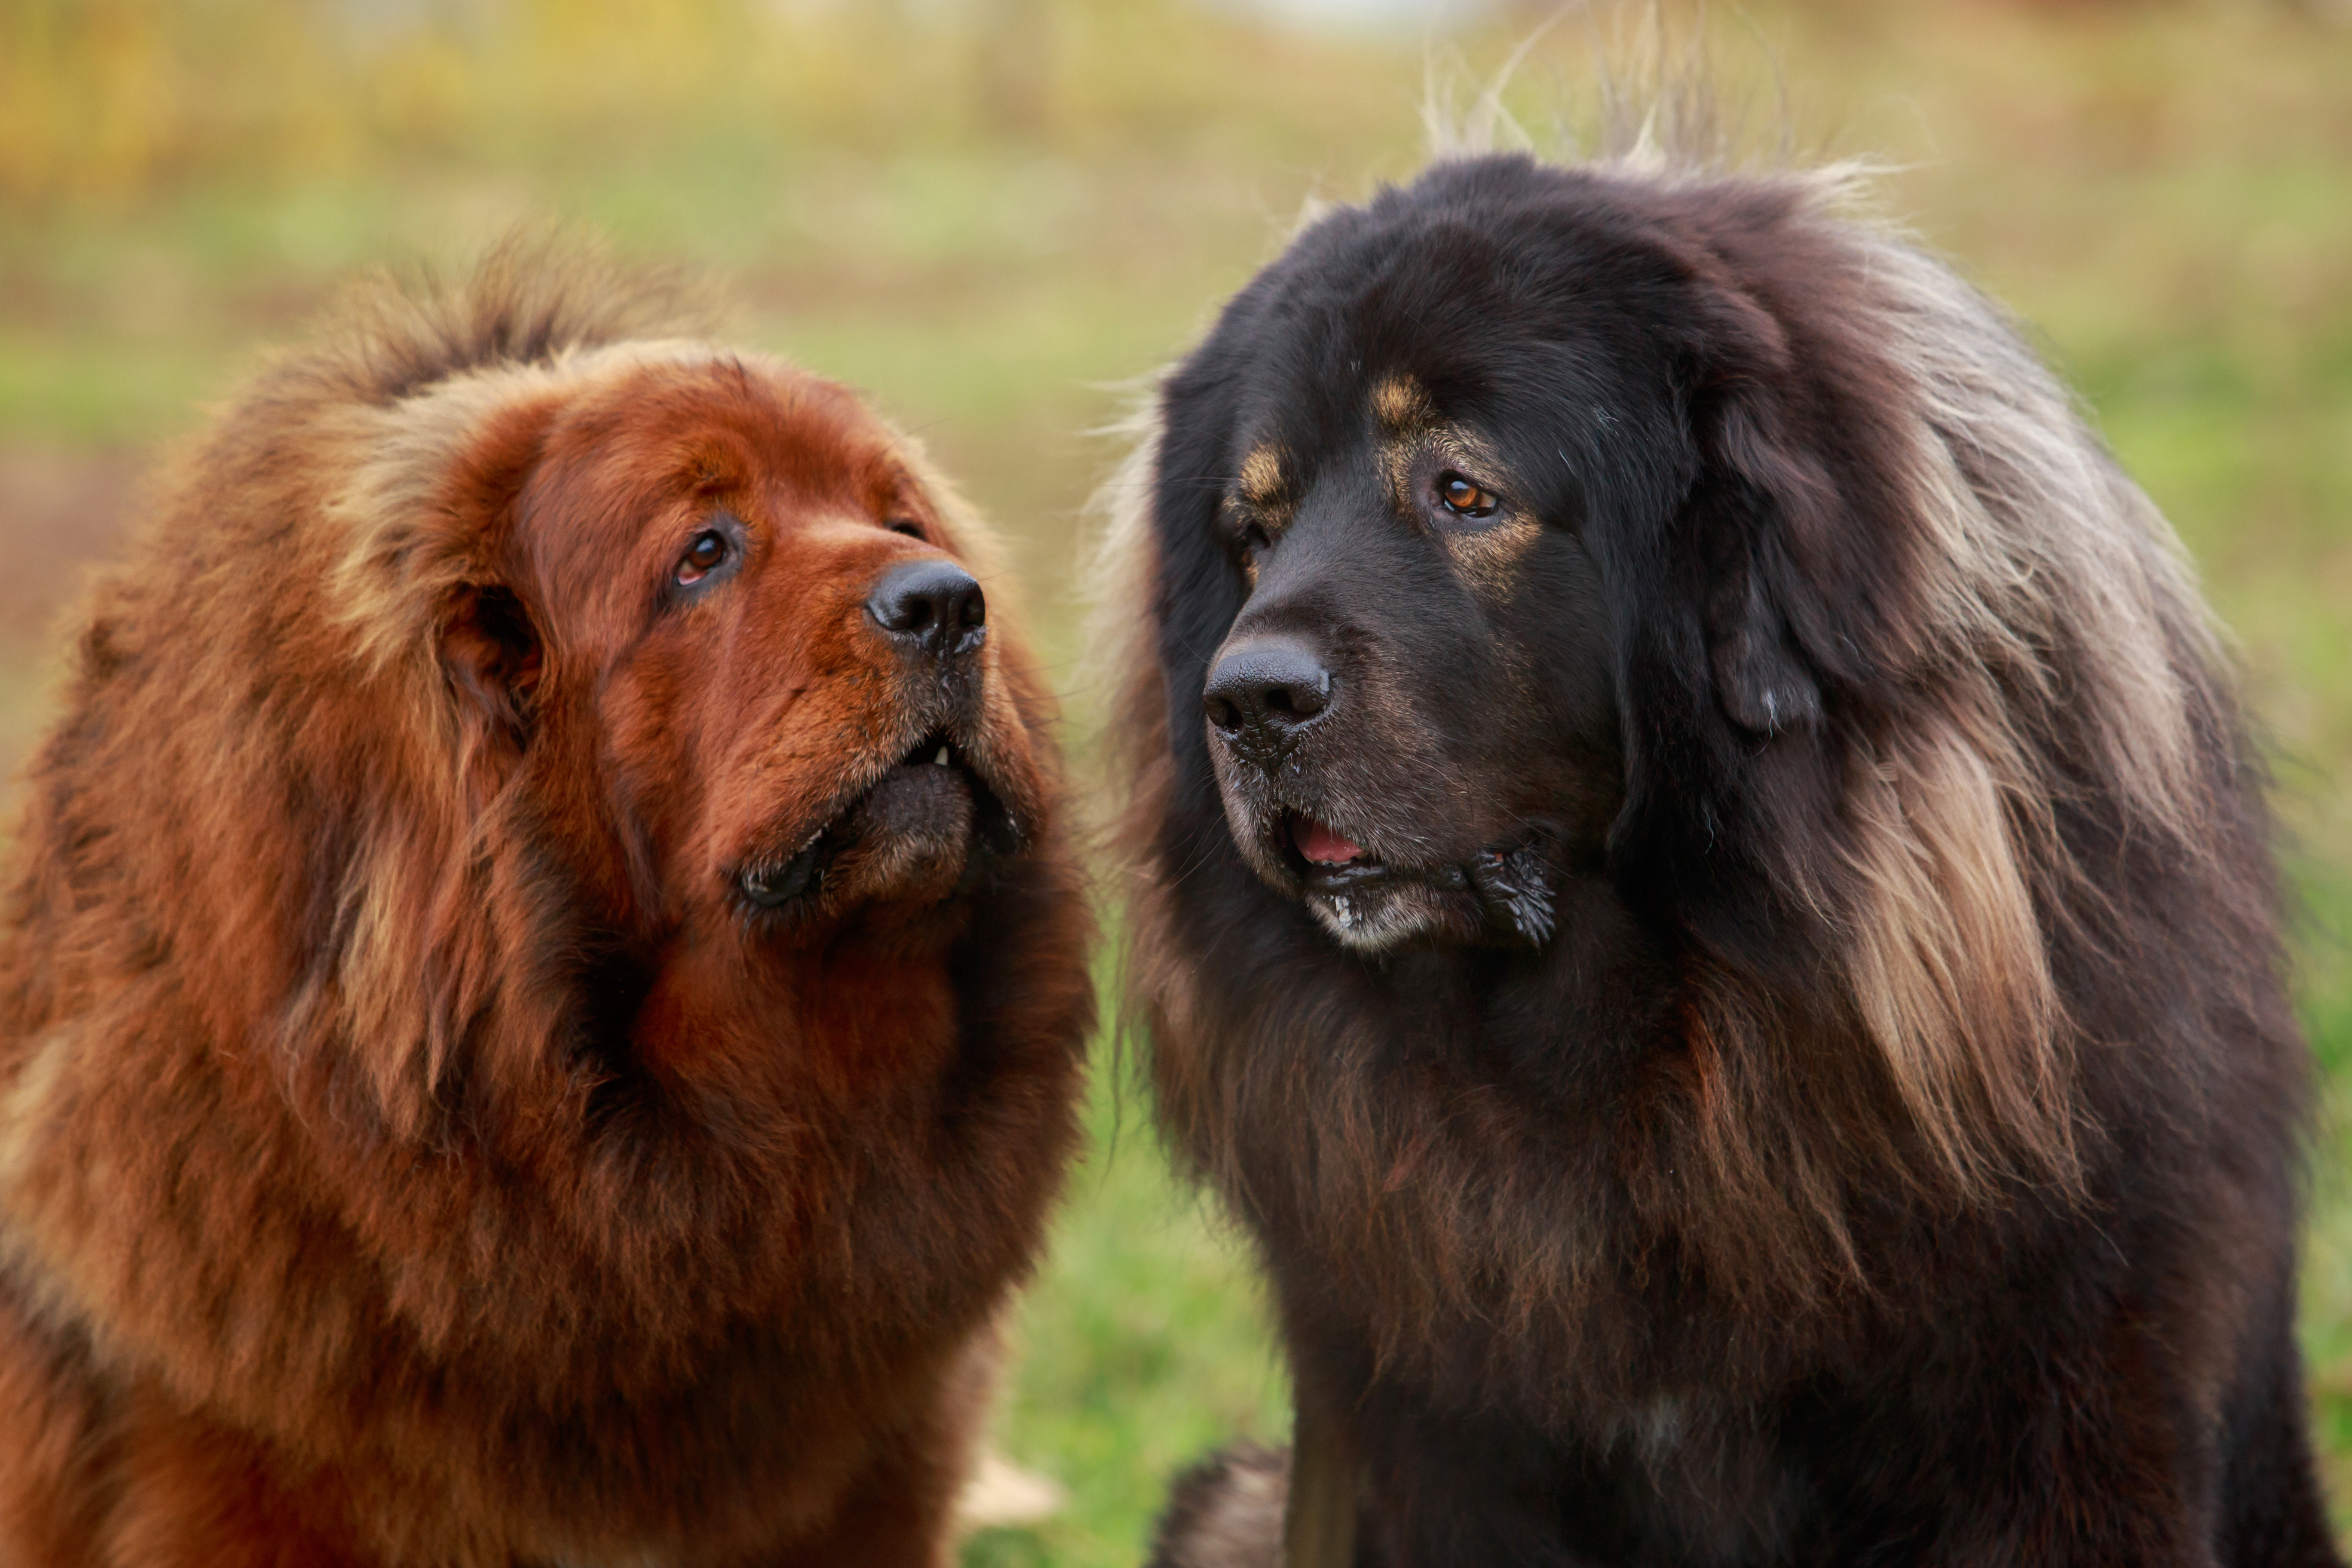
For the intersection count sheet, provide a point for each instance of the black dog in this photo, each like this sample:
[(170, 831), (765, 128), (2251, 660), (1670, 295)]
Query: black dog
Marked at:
[(1705, 898)]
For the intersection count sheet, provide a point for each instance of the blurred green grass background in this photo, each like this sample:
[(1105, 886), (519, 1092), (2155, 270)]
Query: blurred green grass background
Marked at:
[(993, 214)]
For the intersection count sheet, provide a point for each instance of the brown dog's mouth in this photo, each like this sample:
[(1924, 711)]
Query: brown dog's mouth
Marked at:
[(927, 828)]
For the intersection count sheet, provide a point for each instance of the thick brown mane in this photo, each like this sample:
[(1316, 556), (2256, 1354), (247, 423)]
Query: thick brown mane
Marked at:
[(531, 301), (381, 1085)]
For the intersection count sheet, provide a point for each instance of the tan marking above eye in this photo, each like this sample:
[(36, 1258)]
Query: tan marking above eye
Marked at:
[(1400, 403), (1261, 476)]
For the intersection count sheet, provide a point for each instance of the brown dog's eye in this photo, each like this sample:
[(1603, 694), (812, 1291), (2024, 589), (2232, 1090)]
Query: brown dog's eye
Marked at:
[(703, 557), (906, 525), (1464, 499)]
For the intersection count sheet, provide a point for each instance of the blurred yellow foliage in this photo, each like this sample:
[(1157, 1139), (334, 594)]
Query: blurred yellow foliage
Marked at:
[(113, 99)]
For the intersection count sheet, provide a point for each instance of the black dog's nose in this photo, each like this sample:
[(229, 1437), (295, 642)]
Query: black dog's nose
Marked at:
[(934, 605), (1262, 692)]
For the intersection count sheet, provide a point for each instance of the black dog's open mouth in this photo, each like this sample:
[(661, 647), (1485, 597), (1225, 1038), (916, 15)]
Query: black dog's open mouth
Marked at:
[(1508, 886), (931, 818), (1324, 859)]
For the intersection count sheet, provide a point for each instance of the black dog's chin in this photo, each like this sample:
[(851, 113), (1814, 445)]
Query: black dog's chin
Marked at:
[(1505, 894), (1502, 893)]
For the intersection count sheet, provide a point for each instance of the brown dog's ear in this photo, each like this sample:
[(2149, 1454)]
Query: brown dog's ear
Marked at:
[(492, 654)]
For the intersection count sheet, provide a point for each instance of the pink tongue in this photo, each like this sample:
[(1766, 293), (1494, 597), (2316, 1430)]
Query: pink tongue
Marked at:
[(1322, 845)]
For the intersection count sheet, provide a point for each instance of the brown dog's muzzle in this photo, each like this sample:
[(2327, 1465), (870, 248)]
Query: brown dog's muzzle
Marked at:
[(932, 608), (940, 786)]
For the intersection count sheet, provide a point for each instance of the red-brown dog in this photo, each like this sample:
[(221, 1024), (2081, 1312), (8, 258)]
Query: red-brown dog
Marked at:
[(541, 997)]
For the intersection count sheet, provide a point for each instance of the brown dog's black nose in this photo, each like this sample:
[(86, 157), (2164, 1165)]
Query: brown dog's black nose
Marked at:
[(1262, 692), (934, 605)]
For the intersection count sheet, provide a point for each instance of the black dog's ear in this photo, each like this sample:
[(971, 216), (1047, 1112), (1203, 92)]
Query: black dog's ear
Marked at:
[(1751, 490), (1761, 682), (492, 653), (1722, 687)]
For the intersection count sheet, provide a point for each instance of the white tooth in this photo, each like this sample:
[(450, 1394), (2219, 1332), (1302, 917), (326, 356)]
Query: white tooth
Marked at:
[(940, 760)]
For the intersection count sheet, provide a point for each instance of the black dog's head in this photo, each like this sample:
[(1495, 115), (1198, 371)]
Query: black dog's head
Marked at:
[(1391, 483), (1410, 717)]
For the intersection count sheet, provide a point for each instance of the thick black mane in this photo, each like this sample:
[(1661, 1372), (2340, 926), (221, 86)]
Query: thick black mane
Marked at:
[(1884, 1147)]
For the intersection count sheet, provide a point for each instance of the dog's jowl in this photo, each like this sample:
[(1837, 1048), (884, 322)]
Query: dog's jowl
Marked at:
[(1707, 897)]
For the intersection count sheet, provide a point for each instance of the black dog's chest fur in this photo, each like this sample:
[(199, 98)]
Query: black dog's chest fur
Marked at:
[(1680, 1483)]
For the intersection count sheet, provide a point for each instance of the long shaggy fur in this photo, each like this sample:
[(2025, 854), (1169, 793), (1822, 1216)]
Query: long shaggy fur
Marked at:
[(1912, 1053), (409, 1153)]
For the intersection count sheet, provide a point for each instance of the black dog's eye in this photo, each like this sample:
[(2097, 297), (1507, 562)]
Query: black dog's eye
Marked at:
[(705, 555), (1464, 499), (1250, 541), (906, 525)]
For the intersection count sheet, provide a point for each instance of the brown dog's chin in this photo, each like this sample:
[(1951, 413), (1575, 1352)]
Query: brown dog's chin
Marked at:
[(923, 833), (910, 838)]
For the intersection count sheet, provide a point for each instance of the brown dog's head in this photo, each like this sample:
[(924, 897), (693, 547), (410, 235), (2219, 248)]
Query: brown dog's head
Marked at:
[(721, 606), (709, 637)]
